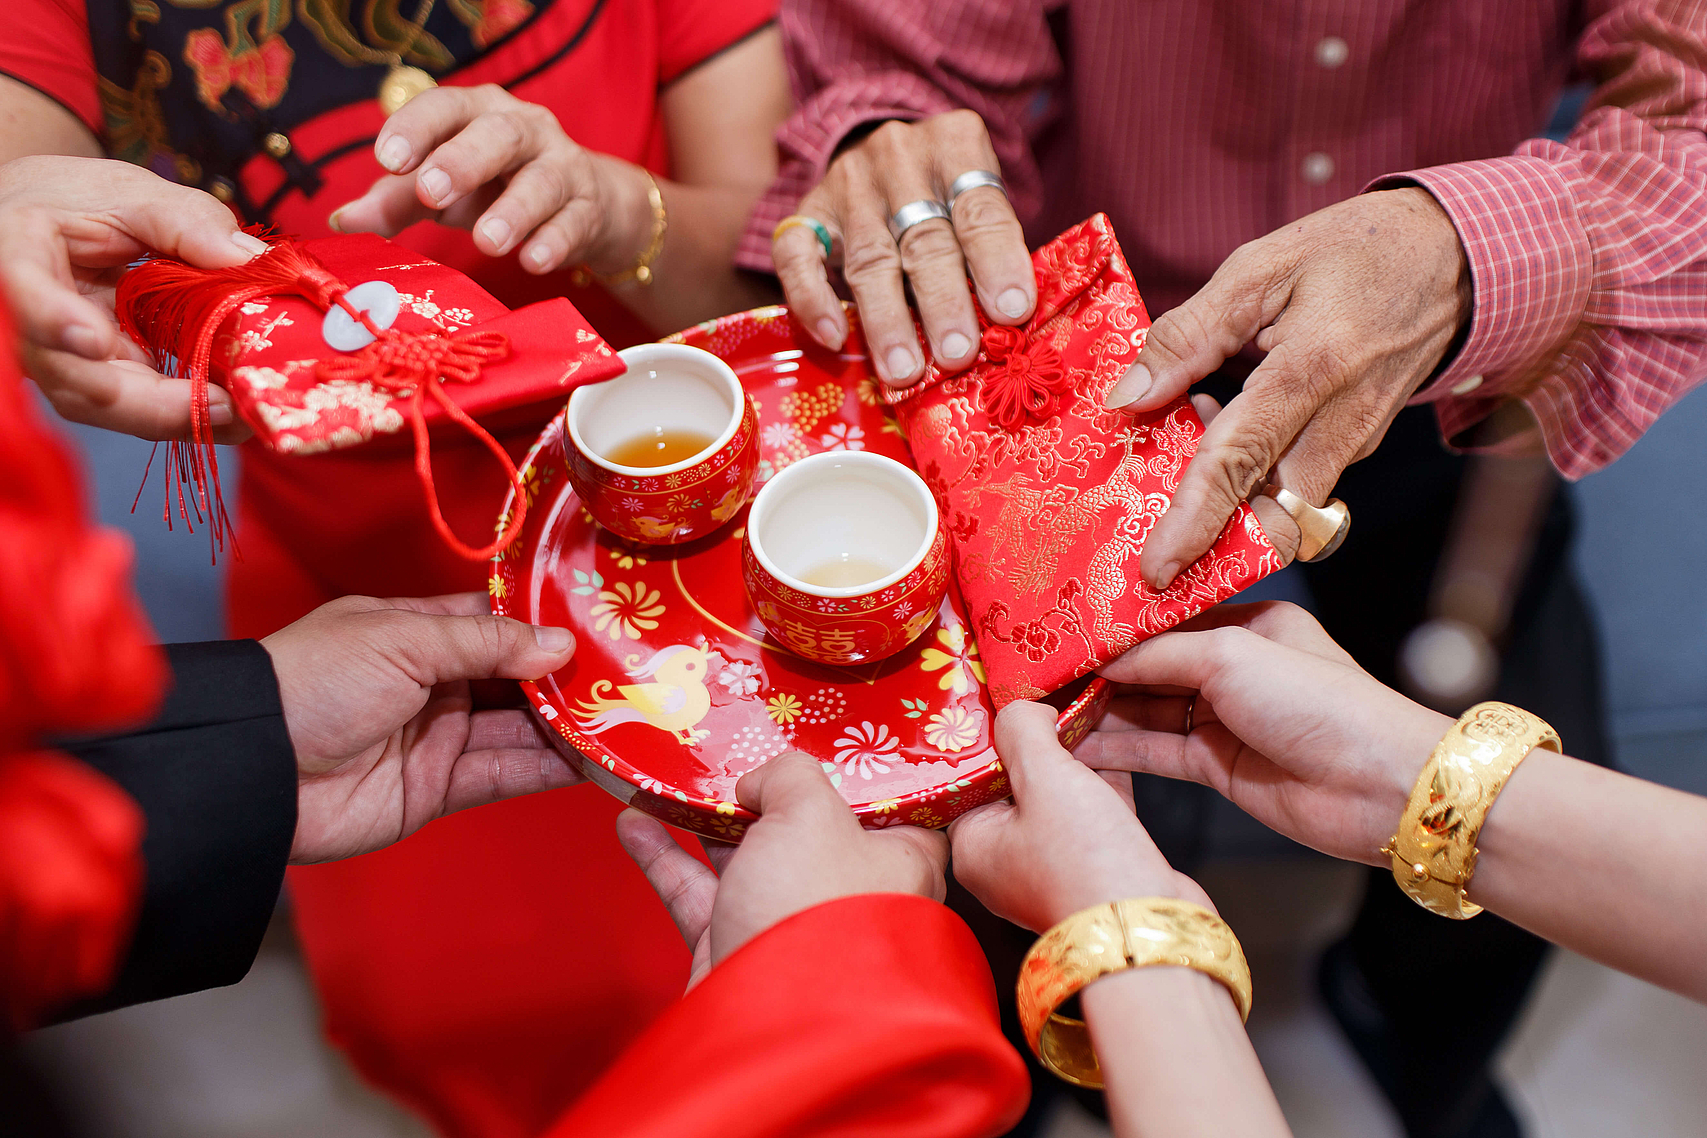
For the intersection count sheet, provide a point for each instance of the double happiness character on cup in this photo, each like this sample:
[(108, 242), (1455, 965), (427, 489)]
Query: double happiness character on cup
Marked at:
[(845, 559), (667, 451)]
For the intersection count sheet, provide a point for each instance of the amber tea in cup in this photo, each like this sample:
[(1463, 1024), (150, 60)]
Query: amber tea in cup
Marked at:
[(666, 452), (661, 446)]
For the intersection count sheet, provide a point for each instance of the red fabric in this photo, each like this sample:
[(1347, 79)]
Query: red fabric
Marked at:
[(484, 915), (75, 656), (48, 48), (1201, 125), (866, 1017), (1048, 496), (70, 881)]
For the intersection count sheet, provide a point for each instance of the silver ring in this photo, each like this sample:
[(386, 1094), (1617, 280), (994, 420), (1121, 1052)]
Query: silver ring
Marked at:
[(971, 180), (915, 213)]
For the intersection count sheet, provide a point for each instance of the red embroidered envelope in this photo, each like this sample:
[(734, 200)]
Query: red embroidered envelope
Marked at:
[(269, 351), (1048, 496), (421, 345)]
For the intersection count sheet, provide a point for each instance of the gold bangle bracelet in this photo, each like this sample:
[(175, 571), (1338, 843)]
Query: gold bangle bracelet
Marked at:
[(1434, 850), (1109, 938), (641, 271)]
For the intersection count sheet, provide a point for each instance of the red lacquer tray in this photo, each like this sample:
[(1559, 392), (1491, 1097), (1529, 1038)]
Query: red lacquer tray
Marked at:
[(675, 692)]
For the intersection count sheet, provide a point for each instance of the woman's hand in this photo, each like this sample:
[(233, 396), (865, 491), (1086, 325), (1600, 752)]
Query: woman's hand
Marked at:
[(1284, 724), (68, 227), (806, 848), (479, 158), (1067, 841)]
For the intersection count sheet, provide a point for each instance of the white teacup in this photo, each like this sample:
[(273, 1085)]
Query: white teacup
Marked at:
[(667, 451), (845, 559)]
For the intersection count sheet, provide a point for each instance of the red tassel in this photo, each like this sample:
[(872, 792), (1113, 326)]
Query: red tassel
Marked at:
[(177, 310)]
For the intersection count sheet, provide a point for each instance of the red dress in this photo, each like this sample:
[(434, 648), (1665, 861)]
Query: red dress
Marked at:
[(486, 970)]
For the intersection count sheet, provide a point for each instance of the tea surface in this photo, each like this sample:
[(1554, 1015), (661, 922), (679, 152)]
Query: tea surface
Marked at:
[(662, 447), (844, 572)]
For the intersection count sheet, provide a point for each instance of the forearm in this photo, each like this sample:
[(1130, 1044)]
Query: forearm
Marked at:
[(1603, 864), (694, 276), (32, 123), (1175, 1057)]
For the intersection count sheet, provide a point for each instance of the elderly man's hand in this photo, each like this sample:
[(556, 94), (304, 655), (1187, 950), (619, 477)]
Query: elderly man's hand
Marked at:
[(68, 227), (376, 699), (898, 163), (1354, 305)]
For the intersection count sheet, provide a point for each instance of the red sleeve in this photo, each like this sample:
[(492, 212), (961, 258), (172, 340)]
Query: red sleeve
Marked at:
[(1588, 258), (47, 46), (692, 31), (872, 1016), (858, 61)]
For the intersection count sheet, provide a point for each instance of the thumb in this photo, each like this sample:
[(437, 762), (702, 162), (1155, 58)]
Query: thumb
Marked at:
[(446, 648), (1028, 744), (1189, 342), (792, 786), (184, 223)]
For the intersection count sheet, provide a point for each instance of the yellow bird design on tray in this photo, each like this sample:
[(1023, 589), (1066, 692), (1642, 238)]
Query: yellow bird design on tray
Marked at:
[(675, 701)]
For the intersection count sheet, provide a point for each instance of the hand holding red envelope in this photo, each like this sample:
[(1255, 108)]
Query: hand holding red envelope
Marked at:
[(1048, 495), (437, 351)]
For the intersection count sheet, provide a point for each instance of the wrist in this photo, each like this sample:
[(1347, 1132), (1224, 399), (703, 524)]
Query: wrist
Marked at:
[(1405, 753), (1454, 283), (626, 224), (1123, 886)]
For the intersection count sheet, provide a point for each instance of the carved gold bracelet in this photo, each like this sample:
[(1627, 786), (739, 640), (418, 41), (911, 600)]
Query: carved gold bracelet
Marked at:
[(1434, 850), (1109, 938)]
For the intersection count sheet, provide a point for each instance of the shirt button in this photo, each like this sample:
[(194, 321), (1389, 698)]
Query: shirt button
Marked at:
[(1465, 387), (1331, 51), (1317, 168)]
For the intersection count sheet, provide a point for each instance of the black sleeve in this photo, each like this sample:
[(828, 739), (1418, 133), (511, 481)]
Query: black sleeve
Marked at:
[(215, 776)]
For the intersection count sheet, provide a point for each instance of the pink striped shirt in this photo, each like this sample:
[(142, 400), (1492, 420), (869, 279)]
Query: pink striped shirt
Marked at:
[(1198, 125)]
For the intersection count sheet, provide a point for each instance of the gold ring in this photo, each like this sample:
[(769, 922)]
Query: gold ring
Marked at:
[(1190, 713), (818, 228), (1323, 527)]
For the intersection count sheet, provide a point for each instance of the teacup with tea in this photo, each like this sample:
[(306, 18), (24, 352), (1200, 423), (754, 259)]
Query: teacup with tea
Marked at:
[(845, 559), (667, 451)]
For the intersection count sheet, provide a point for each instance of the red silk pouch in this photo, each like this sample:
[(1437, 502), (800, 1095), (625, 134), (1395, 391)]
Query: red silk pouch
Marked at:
[(441, 353), (1048, 495)]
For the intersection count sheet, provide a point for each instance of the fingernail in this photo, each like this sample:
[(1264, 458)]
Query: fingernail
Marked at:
[(395, 152), (1133, 386), (552, 639), (901, 362), (248, 242), (82, 340), (828, 334), (1013, 302), (219, 414), (1167, 575), (335, 222), (955, 346), (437, 184), (539, 255), (497, 231)]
